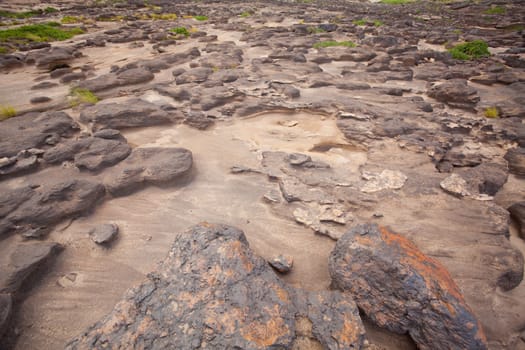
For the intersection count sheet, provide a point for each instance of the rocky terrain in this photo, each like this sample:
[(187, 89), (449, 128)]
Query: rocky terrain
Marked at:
[(252, 175)]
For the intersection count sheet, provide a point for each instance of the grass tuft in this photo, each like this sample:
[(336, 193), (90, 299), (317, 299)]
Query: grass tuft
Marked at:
[(39, 32), (201, 18), (495, 10), (82, 96), (181, 30), (163, 16), (331, 43), (470, 50), (246, 14), (7, 112), (492, 112)]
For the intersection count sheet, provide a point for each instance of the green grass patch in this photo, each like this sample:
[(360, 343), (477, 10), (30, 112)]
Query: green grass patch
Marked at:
[(7, 112), (163, 16), (470, 50), (491, 112), (181, 30), (495, 10), (39, 32), (359, 22), (378, 23), (3, 50), (19, 15), (201, 18), (331, 43), (316, 30), (111, 19), (246, 14), (82, 96), (71, 19), (50, 9), (364, 22)]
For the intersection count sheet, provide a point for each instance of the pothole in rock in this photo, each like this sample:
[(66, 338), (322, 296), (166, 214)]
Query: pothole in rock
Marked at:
[(150, 219)]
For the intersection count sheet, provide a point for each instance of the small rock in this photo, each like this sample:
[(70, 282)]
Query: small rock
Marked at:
[(517, 212), (104, 233), (40, 99), (455, 185), (516, 159), (272, 196), (386, 180), (67, 280), (298, 158), (282, 263)]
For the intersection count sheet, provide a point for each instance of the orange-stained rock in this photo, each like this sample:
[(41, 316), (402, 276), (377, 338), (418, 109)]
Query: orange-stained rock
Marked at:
[(403, 290), (212, 292)]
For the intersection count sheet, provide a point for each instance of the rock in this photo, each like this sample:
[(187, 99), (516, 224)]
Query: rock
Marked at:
[(402, 290), (282, 263), (516, 159), (455, 185), (24, 161), (40, 99), (195, 75), (517, 211), (455, 93), (91, 153), (104, 233), (132, 113), (213, 292), (111, 80), (198, 120), (44, 85), (152, 165), (298, 158), (26, 207), (6, 308), (26, 259), (33, 130), (486, 178), (54, 57), (386, 180)]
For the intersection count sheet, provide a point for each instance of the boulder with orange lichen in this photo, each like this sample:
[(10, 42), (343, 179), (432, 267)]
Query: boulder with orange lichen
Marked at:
[(401, 289), (213, 292)]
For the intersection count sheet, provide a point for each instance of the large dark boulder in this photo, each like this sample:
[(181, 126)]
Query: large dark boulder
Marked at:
[(401, 289), (456, 93), (213, 292), (516, 159)]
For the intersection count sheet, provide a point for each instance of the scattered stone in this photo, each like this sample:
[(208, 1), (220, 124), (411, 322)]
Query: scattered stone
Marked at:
[(213, 292), (386, 180), (104, 233), (282, 263), (402, 290), (298, 158), (272, 196), (40, 99), (455, 185), (67, 280)]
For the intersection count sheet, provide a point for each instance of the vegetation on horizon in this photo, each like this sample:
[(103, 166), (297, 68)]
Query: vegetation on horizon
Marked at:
[(27, 14), (40, 32), (331, 43), (470, 50)]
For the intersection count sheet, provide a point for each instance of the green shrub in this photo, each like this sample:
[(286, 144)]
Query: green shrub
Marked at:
[(470, 50), (378, 23), (201, 18), (331, 43), (246, 14), (7, 112), (316, 30), (492, 112), (70, 19), (39, 32), (81, 96), (181, 30), (163, 16), (495, 10), (359, 22)]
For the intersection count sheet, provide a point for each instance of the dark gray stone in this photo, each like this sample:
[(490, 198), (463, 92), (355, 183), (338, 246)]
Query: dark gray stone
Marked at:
[(104, 233)]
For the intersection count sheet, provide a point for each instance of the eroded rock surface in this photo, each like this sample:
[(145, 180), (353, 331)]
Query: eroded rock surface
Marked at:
[(213, 292), (401, 289)]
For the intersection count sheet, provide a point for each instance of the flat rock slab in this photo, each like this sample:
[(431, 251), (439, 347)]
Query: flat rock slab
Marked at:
[(45, 205), (213, 292), (128, 114), (33, 130), (403, 290), (24, 260), (152, 165)]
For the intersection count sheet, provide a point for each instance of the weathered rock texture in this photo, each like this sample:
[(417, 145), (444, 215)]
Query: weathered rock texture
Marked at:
[(212, 292), (152, 165), (401, 289)]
